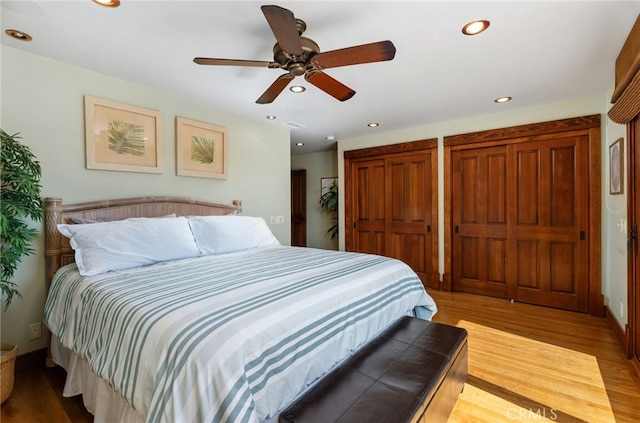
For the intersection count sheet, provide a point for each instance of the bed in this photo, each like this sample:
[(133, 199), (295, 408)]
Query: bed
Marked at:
[(215, 322)]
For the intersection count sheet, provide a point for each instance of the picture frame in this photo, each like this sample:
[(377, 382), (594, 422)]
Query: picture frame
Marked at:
[(326, 184), (616, 167), (201, 149), (122, 137)]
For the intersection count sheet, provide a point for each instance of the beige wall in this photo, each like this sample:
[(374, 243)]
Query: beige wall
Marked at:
[(614, 218), (317, 165), (614, 280), (43, 100)]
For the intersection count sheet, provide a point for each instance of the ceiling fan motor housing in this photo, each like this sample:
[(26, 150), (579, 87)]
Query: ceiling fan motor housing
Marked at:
[(296, 65)]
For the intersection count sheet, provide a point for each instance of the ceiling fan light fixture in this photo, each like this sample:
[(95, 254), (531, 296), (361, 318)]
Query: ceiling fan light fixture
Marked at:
[(297, 89), (18, 35), (503, 99), (373, 124), (108, 3), (475, 27)]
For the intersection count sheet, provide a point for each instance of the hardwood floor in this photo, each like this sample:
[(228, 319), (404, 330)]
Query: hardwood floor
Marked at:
[(37, 397), (531, 363), (526, 363)]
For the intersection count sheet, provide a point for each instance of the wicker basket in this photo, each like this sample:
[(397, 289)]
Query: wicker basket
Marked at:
[(7, 363)]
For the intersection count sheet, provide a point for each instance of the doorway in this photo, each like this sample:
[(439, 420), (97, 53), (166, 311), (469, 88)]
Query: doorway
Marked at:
[(299, 208)]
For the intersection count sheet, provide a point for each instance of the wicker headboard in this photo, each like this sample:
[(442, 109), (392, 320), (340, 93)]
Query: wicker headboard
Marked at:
[(58, 252)]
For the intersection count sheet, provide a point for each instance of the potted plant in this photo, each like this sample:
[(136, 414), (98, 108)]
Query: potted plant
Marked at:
[(20, 199), (329, 202)]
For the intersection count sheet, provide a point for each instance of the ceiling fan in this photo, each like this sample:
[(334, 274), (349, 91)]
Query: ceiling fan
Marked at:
[(299, 56)]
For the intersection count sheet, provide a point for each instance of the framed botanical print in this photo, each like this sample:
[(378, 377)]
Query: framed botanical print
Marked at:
[(201, 149), (122, 137)]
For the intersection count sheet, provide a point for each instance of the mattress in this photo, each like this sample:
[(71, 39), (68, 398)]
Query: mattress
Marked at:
[(227, 338)]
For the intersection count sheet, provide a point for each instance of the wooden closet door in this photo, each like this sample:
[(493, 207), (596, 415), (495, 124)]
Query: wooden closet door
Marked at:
[(409, 204), (546, 251), (479, 217), (368, 207), (548, 222), (391, 195)]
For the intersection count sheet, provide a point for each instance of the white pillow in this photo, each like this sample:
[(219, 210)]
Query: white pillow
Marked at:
[(225, 234), (105, 246)]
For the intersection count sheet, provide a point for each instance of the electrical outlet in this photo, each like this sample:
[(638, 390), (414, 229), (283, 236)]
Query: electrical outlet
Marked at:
[(35, 331)]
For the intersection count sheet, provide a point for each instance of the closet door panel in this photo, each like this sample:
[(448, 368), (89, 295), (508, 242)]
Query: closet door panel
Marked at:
[(479, 215), (368, 187), (469, 247), (528, 187), (528, 262), (562, 263), (409, 248), (469, 180), (496, 260), (563, 186), (551, 197), (409, 203), (496, 180), (371, 242)]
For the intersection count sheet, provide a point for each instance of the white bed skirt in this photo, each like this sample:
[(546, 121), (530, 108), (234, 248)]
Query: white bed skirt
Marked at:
[(99, 398), (106, 405)]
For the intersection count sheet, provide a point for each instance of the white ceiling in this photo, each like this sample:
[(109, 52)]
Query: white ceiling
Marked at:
[(535, 51)]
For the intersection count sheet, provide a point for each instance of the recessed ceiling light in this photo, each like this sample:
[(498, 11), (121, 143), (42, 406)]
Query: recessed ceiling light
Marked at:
[(299, 144), (108, 3), (331, 138), (297, 89), (18, 35), (373, 124), (502, 99), (271, 117), (475, 27)]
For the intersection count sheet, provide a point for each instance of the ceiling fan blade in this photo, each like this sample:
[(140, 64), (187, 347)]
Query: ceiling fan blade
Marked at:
[(366, 53), (329, 85), (232, 62), (275, 89), (283, 25)]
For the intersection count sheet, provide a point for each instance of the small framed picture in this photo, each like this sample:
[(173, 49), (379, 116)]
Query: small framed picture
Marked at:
[(616, 167), (122, 137), (326, 184), (201, 149)]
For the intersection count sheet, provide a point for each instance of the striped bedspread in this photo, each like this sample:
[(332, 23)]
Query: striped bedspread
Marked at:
[(233, 337)]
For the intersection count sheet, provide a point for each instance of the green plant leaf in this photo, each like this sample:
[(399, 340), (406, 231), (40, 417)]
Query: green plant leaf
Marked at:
[(20, 175), (329, 202)]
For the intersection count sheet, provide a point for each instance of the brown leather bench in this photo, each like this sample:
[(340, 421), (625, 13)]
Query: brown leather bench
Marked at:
[(412, 372)]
